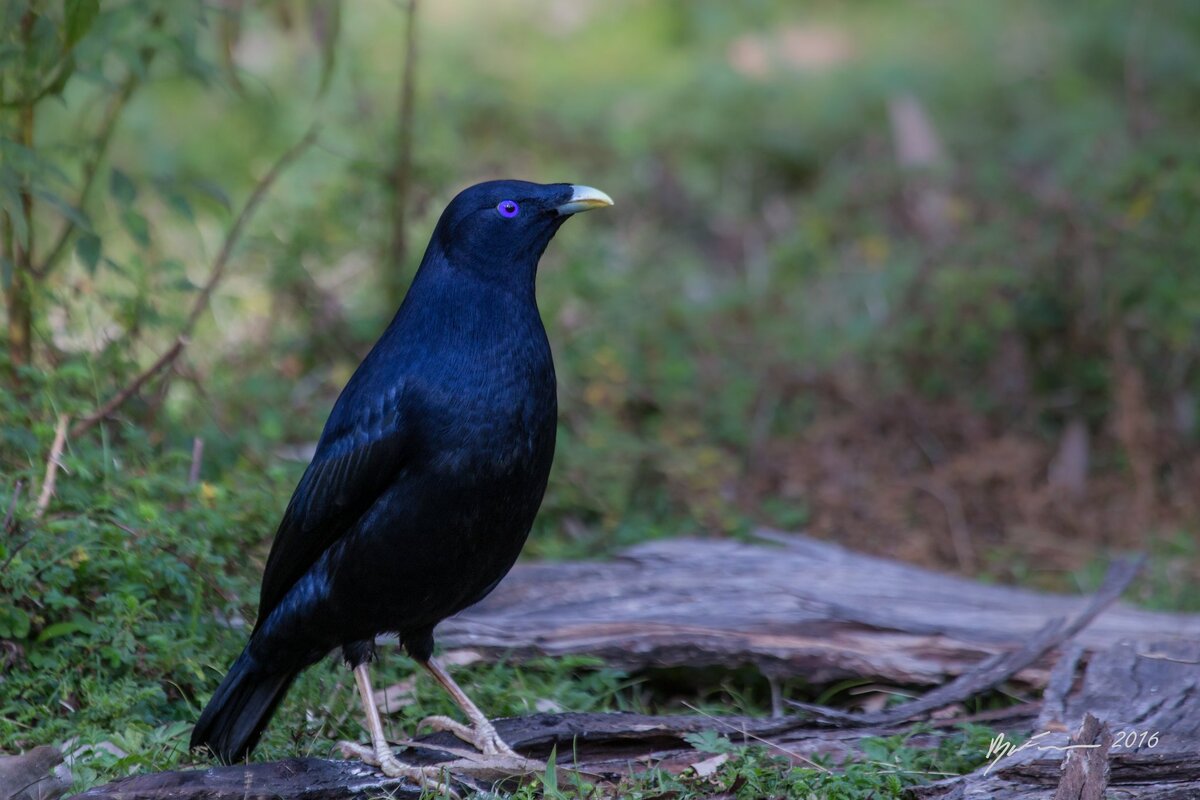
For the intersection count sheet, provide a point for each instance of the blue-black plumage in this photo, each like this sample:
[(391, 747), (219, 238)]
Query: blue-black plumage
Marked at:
[(429, 471)]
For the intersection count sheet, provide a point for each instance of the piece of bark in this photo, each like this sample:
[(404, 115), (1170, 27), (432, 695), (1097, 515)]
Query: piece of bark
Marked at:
[(1085, 769), (36, 774), (798, 607), (291, 779), (1062, 680), (1146, 687)]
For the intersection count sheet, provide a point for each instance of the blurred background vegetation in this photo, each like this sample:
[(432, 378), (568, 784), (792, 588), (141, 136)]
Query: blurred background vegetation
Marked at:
[(920, 278)]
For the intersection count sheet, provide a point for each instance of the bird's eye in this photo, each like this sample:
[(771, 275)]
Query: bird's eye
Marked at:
[(508, 208)]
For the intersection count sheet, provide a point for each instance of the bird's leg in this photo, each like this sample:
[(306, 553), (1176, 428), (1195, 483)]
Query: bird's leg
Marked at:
[(380, 754), (480, 732)]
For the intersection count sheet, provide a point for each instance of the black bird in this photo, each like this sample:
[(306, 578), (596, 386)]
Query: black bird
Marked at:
[(426, 478)]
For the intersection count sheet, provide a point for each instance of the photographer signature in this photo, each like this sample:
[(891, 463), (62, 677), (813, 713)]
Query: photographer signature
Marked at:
[(1003, 747)]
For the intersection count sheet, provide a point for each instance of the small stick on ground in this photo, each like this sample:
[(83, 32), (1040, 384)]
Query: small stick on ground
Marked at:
[(53, 463), (1054, 698)]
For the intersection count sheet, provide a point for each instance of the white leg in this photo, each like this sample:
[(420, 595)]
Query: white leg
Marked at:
[(480, 732), (380, 754)]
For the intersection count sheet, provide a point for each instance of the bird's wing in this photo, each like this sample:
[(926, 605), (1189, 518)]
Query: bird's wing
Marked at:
[(347, 474)]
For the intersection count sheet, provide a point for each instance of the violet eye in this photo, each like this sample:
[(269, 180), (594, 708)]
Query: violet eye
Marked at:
[(508, 208)]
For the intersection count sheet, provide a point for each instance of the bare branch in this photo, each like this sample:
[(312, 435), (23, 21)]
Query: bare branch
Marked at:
[(231, 238), (118, 399), (202, 299)]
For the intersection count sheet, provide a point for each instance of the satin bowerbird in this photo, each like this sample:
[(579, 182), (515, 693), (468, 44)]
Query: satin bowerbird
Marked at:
[(426, 478)]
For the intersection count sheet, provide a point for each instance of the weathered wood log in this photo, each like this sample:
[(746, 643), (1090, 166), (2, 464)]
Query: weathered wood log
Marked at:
[(796, 607), (993, 671), (1152, 690)]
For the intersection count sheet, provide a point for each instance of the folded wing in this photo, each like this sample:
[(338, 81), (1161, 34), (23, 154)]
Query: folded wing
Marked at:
[(351, 468)]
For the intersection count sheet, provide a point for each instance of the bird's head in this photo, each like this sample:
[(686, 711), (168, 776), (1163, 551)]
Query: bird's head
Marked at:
[(501, 228)]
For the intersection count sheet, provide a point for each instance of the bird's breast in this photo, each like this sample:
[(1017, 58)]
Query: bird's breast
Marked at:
[(498, 425)]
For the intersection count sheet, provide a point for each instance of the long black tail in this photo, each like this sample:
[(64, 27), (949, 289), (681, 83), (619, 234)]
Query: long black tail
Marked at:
[(240, 709)]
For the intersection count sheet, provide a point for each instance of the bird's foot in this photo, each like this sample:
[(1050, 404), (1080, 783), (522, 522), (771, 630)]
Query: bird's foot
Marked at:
[(385, 760), (482, 736)]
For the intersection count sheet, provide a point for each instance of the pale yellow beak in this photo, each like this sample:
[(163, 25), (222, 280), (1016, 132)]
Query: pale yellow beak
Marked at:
[(584, 198)]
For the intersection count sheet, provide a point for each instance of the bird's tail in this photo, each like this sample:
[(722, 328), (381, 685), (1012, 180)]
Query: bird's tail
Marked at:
[(240, 709)]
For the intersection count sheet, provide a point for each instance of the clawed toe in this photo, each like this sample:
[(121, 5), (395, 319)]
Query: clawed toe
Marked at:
[(354, 750), (482, 736), (387, 763)]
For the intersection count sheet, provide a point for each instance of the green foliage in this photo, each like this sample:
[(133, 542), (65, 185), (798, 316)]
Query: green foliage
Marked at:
[(118, 606), (762, 239)]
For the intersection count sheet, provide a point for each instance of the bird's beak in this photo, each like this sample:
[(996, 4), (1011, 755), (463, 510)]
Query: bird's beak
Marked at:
[(584, 198)]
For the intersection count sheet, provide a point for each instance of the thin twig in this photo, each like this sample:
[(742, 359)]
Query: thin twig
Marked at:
[(1157, 657), (91, 168), (53, 463), (118, 399), (15, 552), (52, 84), (12, 506), (231, 238), (202, 299)]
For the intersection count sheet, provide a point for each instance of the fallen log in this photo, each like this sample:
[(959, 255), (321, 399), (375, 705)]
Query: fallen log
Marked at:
[(797, 607), (1133, 690), (793, 606)]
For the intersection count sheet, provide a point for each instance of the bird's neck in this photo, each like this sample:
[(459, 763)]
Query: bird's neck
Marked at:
[(449, 304), (443, 277)]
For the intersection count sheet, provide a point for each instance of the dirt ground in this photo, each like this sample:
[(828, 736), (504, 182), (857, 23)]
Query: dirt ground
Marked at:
[(939, 485)]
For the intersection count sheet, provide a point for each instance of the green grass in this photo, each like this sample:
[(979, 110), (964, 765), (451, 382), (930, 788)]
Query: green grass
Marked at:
[(886, 768)]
